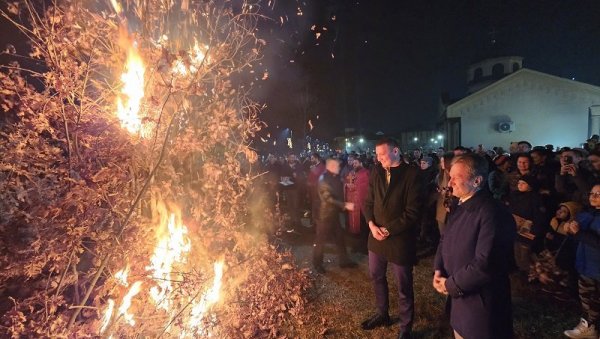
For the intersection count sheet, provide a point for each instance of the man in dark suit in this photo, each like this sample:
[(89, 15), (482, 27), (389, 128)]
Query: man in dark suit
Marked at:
[(392, 212), (475, 255)]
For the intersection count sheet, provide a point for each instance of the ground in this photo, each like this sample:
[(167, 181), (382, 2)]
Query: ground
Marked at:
[(341, 298)]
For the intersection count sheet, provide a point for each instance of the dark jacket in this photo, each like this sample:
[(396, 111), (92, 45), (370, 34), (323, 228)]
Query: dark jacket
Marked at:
[(498, 185), (331, 196), (574, 188), (398, 209), (476, 255), (528, 205)]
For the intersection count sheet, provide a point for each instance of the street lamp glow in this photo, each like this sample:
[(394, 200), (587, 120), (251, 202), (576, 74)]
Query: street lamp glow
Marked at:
[(415, 139), (431, 139), (361, 140), (440, 137), (348, 144)]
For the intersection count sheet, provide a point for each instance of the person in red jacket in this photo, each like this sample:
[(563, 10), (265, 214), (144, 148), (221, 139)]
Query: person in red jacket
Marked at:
[(356, 187)]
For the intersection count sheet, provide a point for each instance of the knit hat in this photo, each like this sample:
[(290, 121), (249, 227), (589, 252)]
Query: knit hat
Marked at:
[(531, 181), (573, 207)]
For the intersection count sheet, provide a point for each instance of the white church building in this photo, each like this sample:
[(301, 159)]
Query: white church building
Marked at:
[(508, 103)]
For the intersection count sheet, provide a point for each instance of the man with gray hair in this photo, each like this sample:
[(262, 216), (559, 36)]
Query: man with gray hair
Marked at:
[(475, 255)]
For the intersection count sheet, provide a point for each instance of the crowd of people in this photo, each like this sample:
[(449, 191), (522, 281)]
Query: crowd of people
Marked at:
[(485, 213)]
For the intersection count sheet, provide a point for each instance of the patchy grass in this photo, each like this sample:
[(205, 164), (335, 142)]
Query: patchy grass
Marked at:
[(342, 298)]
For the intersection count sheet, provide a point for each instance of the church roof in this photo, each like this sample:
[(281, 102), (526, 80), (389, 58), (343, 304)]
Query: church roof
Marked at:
[(525, 72)]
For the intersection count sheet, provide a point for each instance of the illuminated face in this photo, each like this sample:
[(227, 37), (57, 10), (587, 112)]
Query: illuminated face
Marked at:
[(386, 155), (463, 185), (562, 213), (523, 164), (424, 165), (523, 186), (595, 197), (356, 164), (333, 166)]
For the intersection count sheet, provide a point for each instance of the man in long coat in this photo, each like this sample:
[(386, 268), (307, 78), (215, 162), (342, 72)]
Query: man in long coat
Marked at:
[(475, 256), (392, 212)]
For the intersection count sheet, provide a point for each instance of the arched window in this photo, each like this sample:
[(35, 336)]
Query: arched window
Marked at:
[(478, 74), (498, 71), (516, 67)]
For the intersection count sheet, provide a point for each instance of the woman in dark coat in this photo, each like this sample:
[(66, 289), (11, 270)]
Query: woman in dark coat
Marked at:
[(475, 256)]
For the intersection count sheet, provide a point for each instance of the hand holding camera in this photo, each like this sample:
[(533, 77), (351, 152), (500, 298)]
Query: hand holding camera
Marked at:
[(568, 167)]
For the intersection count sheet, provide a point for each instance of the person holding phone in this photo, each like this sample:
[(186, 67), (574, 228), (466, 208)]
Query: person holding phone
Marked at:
[(573, 180)]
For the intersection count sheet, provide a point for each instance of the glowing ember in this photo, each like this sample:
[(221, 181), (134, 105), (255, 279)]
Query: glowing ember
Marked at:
[(197, 55), (170, 250), (126, 303), (133, 90), (107, 315)]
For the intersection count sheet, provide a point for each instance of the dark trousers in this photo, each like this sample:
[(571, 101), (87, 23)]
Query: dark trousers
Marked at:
[(404, 278), (325, 228)]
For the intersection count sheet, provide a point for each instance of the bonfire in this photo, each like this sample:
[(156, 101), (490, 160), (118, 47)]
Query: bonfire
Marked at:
[(125, 175)]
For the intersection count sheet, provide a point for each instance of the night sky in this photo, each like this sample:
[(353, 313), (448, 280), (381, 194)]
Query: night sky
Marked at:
[(392, 60), (383, 65)]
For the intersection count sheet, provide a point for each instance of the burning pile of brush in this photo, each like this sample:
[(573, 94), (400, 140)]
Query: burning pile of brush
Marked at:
[(125, 174)]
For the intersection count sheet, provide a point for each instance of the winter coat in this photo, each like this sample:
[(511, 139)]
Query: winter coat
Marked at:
[(587, 259), (528, 205), (475, 253), (397, 208)]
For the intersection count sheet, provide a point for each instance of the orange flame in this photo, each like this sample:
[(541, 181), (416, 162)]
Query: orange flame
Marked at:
[(107, 315), (170, 250), (133, 91), (196, 57), (208, 299), (116, 6), (126, 303), (170, 256), (121, 276)]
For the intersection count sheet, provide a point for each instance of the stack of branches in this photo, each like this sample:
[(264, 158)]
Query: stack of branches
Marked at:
[(77, 189)]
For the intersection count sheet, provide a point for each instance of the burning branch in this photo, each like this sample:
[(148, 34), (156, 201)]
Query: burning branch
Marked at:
[(75, 154)]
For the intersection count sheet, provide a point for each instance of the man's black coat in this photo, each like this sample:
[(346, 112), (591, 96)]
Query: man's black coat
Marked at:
[(396, 208)]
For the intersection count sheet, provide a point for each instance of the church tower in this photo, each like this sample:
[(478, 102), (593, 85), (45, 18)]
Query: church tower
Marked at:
[(485, 72)]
